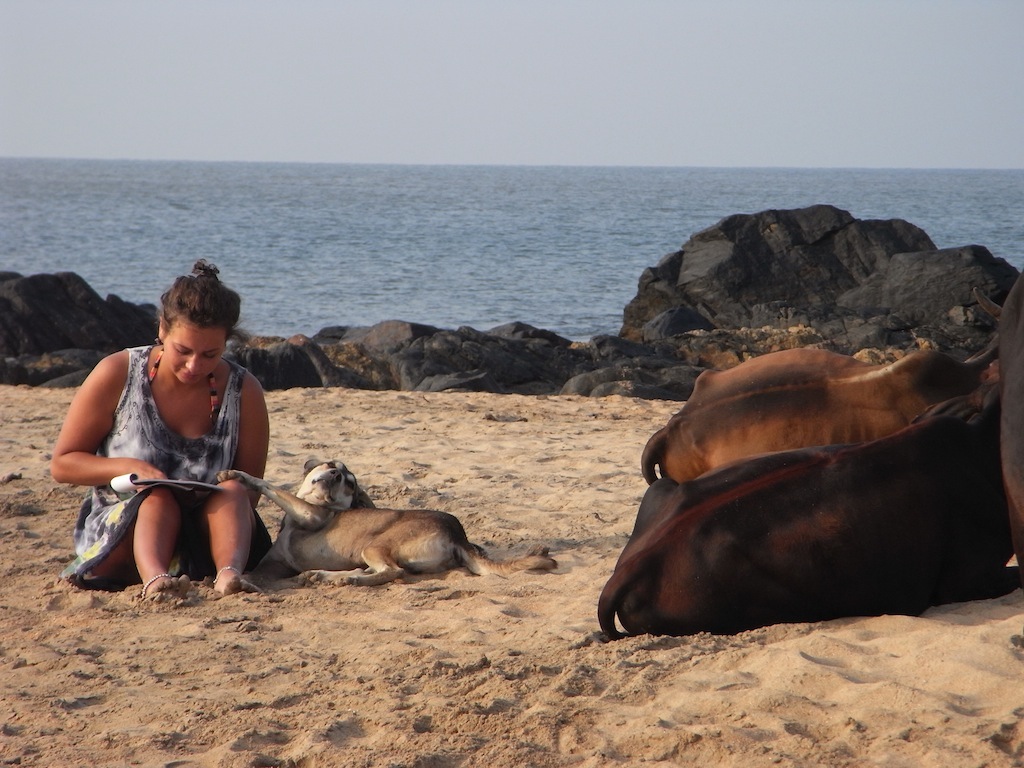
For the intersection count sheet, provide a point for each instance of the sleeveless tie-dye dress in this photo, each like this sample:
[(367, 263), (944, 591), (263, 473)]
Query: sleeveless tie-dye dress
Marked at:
[(139, 431)]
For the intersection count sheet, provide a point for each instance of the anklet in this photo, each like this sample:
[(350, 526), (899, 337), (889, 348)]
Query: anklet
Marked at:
[(227, 568), (145, 587)]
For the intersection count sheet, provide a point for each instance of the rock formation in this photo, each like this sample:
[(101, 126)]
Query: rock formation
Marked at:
[(749, 285)]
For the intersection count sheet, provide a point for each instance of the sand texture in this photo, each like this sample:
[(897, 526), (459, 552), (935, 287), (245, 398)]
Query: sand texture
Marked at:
[(454, 669)]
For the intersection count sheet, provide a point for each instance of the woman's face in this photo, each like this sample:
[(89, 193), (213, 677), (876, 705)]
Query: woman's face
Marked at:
[(190, 351)]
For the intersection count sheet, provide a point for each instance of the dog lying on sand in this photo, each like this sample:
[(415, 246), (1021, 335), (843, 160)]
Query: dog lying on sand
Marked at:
[(331, 532)]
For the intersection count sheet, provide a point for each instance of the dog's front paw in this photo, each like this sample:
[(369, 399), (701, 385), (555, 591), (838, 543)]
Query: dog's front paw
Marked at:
[(334, 578), (312, 577), (228, 474)]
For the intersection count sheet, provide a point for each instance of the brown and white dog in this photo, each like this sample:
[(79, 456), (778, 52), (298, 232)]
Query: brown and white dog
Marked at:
[(331, 532)]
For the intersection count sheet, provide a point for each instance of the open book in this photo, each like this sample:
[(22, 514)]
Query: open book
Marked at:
[(131, 483)]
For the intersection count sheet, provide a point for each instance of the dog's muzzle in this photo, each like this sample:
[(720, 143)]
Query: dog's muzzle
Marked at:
[(336, 480)]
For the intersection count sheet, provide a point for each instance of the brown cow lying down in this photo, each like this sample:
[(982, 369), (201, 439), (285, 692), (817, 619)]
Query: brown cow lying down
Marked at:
[(798, 398), (1011, 344), (891, 526)]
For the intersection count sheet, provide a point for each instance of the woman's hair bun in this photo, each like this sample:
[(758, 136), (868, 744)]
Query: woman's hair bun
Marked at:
[(203, 268)]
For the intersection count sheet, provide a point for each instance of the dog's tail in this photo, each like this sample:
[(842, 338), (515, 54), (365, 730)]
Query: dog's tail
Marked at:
[(476, 560)]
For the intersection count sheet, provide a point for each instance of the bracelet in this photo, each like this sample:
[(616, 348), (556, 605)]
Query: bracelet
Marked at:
[(227, 568), (146, 586)]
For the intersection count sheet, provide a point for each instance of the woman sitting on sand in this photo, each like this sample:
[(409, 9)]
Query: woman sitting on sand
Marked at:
[(178, 410)]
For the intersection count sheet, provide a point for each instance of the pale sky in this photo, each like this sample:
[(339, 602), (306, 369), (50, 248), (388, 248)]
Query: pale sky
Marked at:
[(796, 83)]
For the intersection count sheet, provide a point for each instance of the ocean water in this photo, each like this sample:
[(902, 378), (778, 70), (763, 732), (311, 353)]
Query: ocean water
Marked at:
[(562, 248)]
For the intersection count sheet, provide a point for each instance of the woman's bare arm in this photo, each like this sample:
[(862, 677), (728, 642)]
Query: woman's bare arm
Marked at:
[(89, 419)]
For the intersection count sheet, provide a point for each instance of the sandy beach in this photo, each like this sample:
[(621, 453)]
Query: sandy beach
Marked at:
[(456, 670)]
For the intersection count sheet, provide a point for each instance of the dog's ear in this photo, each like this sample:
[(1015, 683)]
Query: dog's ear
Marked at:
[(361, 499), (310, 463)]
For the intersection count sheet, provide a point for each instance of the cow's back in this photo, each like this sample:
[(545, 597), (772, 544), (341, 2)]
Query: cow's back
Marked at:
[(797, 398)]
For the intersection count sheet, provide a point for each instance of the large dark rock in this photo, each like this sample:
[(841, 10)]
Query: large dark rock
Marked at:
[(673, 322), (295, 362), (278, 365), (386, 336), (398, 355), (519, 330), (751, 285), (664, 381), (667, 370), (48, 312), (821, 267), (330, 374), (530, 366), (934, 287)]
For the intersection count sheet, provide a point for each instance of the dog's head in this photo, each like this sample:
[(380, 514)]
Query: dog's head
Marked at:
[(328, 484)]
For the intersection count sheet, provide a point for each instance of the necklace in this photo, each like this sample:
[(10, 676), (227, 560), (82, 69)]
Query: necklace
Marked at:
[(211, 380)]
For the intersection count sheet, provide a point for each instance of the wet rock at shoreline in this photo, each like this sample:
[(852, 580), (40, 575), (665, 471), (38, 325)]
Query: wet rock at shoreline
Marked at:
[(750, 285)]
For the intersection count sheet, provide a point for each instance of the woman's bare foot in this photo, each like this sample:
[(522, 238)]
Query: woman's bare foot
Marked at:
[(166, 587), (230, 581)]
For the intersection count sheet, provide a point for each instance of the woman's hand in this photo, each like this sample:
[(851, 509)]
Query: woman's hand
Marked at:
[(141, 469)]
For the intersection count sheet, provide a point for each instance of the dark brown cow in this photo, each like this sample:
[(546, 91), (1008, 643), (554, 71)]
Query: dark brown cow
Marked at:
[(1011, 382), (798, 398), (890, 526)]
